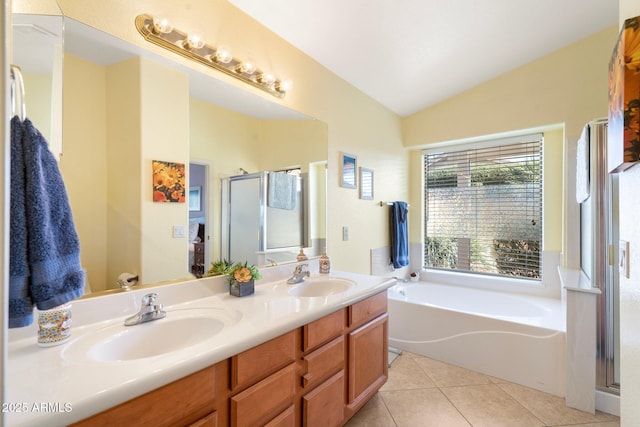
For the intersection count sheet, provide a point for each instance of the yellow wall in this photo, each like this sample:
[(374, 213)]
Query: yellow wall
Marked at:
[(165, 136), (123, 168), (37, 95), (557, 94), (356, 123), (84, 163), (566, 88)]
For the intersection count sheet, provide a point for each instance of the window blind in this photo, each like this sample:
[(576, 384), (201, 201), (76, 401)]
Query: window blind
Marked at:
[(483, 208)]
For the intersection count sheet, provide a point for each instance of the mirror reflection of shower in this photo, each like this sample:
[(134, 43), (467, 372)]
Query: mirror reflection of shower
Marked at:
[(269, 216)]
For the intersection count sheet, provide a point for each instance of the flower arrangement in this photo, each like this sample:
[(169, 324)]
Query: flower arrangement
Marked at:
[(243, 273), (240, 276)]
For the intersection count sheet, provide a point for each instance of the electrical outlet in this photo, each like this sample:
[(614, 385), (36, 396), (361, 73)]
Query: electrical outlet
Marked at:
[(178, 232), (623, 254), (345, 233)]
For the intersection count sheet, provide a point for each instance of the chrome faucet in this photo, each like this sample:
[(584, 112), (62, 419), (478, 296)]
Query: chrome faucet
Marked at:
[(150, 310), (299, 274)]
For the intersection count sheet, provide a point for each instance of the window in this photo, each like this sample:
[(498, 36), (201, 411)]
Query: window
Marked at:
[(483, 208)]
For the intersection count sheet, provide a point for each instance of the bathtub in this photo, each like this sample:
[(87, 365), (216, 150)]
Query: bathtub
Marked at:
[(517, 338)]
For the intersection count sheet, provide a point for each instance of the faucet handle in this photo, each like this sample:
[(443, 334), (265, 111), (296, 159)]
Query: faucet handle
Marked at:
[(300, 267), (149, 299)]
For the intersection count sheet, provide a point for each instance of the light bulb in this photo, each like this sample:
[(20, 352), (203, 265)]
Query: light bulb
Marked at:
[(247, 67), (193, 41), (266, 78), (283, 86), (161, 25), (222, 55)]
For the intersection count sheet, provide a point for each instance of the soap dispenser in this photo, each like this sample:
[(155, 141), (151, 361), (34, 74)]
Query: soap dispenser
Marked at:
[(325, 263), (301, 256)]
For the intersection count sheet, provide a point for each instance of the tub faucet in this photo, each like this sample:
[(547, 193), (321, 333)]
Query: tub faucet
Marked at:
[(150, 310), (299, 274)]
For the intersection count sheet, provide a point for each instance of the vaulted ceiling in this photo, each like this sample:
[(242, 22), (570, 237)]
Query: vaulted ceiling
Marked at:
[(410, 54)]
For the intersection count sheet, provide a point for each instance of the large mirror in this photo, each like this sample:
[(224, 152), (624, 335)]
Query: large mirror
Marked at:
[(123, 109)]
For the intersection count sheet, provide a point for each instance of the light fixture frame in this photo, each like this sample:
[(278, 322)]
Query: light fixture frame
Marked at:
[(173, 41)]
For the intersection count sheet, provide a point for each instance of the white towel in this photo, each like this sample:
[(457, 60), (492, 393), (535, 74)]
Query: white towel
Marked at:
[(282, 191), (582, 166)]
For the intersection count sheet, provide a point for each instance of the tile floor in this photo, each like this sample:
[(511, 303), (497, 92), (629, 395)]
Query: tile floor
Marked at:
[(423, 392)]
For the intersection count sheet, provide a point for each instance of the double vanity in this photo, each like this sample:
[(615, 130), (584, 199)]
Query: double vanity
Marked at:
[(310, 353)]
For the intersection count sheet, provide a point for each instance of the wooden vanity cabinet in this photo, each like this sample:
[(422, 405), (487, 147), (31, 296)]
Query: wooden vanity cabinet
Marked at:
[(317, 375), (184, 402)]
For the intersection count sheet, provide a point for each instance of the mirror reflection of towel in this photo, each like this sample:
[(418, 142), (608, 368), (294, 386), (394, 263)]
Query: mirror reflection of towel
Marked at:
[(582, 166), (282, 191)]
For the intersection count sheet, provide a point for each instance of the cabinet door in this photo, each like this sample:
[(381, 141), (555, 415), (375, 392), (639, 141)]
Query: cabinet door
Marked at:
[(264, 400), (324, 406), (368, 346)]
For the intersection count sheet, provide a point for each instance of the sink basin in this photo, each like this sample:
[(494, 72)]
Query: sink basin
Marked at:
[(321, 287), (179, 330)]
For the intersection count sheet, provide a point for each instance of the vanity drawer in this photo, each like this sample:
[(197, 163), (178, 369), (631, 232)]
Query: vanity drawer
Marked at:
[(264, 400), (322, 330), (367, 309), (181, 402), (323, 362), (252, 365)]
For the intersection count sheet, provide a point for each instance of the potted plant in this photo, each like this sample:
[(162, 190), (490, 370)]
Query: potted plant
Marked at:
[(219, 268), (241, 279)]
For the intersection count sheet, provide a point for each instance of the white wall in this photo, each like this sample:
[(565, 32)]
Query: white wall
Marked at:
[(630, 287)]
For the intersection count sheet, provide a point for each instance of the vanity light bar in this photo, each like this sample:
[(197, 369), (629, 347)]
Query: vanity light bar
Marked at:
[(161, 33)]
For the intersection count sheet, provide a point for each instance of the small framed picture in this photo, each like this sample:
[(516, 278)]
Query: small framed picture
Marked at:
[(195, 202), (366, 183), (168, 182), (347, 170)]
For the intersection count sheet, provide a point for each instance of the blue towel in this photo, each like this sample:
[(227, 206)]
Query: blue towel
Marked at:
[(20, 305), (399, 234), (54, 273)]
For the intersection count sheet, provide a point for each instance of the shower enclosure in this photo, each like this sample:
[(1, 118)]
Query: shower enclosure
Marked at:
[(598, 251), (255, 232)]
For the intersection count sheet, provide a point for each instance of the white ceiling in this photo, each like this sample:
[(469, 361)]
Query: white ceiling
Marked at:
[(410, 54)]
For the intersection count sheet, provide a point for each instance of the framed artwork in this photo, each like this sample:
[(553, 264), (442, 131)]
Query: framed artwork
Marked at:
[(168, 182), (623, 145), (366, 183), (347, 170), (195, 202)]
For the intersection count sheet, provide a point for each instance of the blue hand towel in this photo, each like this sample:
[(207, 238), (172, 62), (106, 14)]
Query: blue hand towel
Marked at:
[(54, 275), (20, 305), (399, 234)]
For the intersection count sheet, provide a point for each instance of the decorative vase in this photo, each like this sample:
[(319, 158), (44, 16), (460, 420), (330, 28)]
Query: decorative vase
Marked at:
[(240, 289)]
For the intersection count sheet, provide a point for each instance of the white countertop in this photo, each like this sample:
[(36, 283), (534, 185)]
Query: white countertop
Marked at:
[(54, 386)]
